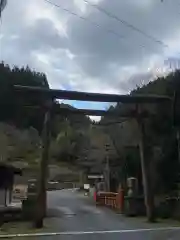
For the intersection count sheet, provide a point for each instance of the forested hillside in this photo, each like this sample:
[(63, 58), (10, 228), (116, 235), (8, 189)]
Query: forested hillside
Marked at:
[(160, 133), (13, 105), (18, 109), (22, 116)]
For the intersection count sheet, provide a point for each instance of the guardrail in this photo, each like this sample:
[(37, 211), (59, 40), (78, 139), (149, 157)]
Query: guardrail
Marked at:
[(111, 200)]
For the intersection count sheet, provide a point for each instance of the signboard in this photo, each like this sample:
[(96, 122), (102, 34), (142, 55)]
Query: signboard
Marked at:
[(19, 192), (95, 176), (86, 186)]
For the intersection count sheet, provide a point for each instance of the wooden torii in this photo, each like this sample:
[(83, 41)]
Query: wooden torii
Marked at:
[(51, 94)]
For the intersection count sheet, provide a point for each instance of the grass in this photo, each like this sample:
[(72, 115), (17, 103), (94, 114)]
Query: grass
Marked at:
[(158, 221), (20, 227)]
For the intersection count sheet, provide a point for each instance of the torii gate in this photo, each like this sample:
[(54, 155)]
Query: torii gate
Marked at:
[(51, 94)]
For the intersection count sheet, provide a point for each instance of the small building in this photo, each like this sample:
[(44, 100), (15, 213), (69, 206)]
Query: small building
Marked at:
[(93, 178), (7, 174)]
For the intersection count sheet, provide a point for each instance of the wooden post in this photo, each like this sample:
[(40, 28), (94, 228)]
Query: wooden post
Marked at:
[(178, 143), (176, 120), (107, 174), (5, 197), (148, 194), (107, 169), (41, 196)]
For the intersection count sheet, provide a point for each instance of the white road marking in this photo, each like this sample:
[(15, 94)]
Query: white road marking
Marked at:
[(90, 232), (66, 210)]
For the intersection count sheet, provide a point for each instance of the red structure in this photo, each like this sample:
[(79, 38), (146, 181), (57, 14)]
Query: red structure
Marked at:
[(95, 196), (111, 199)]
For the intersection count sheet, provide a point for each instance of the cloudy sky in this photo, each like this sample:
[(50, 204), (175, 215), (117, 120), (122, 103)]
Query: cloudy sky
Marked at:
[(97, 53)]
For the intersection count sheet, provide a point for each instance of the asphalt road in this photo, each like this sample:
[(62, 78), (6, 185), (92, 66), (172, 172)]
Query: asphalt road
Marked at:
[(74, 216)]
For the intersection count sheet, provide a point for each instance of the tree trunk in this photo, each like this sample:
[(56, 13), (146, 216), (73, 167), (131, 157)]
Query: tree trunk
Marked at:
[(41, 197), (148, 193)]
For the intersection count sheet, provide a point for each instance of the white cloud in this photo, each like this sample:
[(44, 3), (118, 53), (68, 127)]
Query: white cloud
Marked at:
[(78, 55)]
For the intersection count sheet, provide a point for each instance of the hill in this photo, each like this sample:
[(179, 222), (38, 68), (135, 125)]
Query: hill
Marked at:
[(22, 115), (161, 141)]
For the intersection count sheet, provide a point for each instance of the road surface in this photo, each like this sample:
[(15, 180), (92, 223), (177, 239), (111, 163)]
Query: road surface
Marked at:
[(75, 217)]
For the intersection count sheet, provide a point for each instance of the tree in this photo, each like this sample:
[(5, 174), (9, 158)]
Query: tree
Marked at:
[(19, 145), (3, 4), (12, 104), (69, 143), (159, 131)]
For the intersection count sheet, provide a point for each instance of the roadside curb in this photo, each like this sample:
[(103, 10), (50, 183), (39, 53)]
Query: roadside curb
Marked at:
[(89, 232), (28, 235)]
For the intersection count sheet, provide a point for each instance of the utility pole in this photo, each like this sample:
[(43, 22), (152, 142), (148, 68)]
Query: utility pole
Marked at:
[(107, 170), (41, 195), (178, 143), (176, 119), (107, 173), (148, 194)]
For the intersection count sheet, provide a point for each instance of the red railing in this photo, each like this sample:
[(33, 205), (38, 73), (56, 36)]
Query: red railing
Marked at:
[(110, 199)]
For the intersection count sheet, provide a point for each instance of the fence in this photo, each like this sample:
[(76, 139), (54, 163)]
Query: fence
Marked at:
[(111, 200), (134, 206)]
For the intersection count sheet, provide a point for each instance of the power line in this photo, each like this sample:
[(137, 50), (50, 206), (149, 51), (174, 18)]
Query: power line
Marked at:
[(85, 19), (91, 22), (127, 24), (110, 31)]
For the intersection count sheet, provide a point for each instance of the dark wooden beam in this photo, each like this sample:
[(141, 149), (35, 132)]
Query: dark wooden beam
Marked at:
[(91, 112), (95, 97)]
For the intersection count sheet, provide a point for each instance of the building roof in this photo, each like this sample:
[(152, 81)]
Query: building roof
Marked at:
[(14, 170)]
